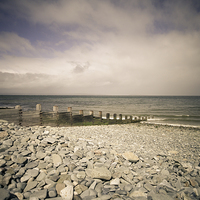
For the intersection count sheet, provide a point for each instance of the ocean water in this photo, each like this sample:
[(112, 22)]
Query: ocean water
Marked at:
[(175, 110)]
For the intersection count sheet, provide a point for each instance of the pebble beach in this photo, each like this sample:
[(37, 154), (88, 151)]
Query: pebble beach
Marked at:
[(129, 161)]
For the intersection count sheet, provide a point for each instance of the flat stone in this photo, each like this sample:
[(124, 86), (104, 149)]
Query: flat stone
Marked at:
[(50, 140), (2, 162), (59, 187), (115, 181), (4, 194), (26, 177), (101, 173), (30, 186), (89, 193), (57, 160), (8, 142), (138, 194), (130, 157), (33, 172), (161, 197), (81, 175), (67, 193), (40, 155), (19, 195), (41, 176), (42, 194), (31, 165)]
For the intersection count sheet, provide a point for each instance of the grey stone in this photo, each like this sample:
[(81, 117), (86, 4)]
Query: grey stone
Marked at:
[(67, 193), (130, 157), (2, 163), (40, 155), (161, 197), (42, 194), (5, 194), (30, 185), (57, 160), (8, 142), (31, 165), (50, 140), (41, 176), (88, 193), (101, 173)]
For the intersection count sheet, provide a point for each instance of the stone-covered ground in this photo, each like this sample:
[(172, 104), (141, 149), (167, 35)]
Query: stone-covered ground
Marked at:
[(133, 161)]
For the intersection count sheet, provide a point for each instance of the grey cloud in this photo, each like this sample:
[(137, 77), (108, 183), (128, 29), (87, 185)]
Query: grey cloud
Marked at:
[(81, 68)]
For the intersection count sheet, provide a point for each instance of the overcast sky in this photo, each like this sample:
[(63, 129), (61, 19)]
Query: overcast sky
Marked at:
[(100, 47)]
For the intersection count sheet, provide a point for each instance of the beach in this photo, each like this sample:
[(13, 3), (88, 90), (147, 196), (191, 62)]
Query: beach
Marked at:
[(129, 161)]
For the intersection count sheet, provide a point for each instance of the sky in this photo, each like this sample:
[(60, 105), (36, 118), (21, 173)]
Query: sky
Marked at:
[(100, 47)]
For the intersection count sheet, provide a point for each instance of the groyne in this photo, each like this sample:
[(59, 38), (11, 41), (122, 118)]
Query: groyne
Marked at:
[(55, 118)]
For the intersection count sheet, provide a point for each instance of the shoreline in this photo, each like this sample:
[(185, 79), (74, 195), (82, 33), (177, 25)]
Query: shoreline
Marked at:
[(135, 161)]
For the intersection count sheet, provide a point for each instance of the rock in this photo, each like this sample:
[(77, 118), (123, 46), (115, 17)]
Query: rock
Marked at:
[(138, 194), (50, 140), (57, 160), (59, 187), (31, 165), (89, 193), (30, 185), (41, 176), (8, 142), (101, 173), (40, 155), (161, 197), (19, 195), (115, 181), (81, 175), (130, 157), (67, 193), (2, 163), (4, 194), (42, 194)]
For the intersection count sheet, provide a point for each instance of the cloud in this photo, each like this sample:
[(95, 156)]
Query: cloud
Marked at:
[(12, 43), (104, 47), (80, 69)]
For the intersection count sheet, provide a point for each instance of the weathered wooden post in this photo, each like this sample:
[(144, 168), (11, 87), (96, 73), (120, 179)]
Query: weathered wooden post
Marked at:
[(39, 109), (120, 118), (55, 109), (108, 117), (80, 112), (100, 116), (126, 117), (115, 118), (69, 109), (91, 113), (55, 114), (19, 108), (131, 118)]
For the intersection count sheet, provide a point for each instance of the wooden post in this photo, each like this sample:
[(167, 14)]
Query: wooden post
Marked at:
[(120, 117), (55, 109), (91, 112), (108, 117), (126, 118), (38, 107), (100, 115), (80, 112), (19, 108), (69, 109), (131, 118), (55, 114)]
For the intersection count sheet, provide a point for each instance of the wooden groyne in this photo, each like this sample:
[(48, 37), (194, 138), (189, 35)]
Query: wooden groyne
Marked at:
[(38, 117)]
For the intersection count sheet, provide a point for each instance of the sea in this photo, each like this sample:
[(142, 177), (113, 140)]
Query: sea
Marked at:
[(171, 110)]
